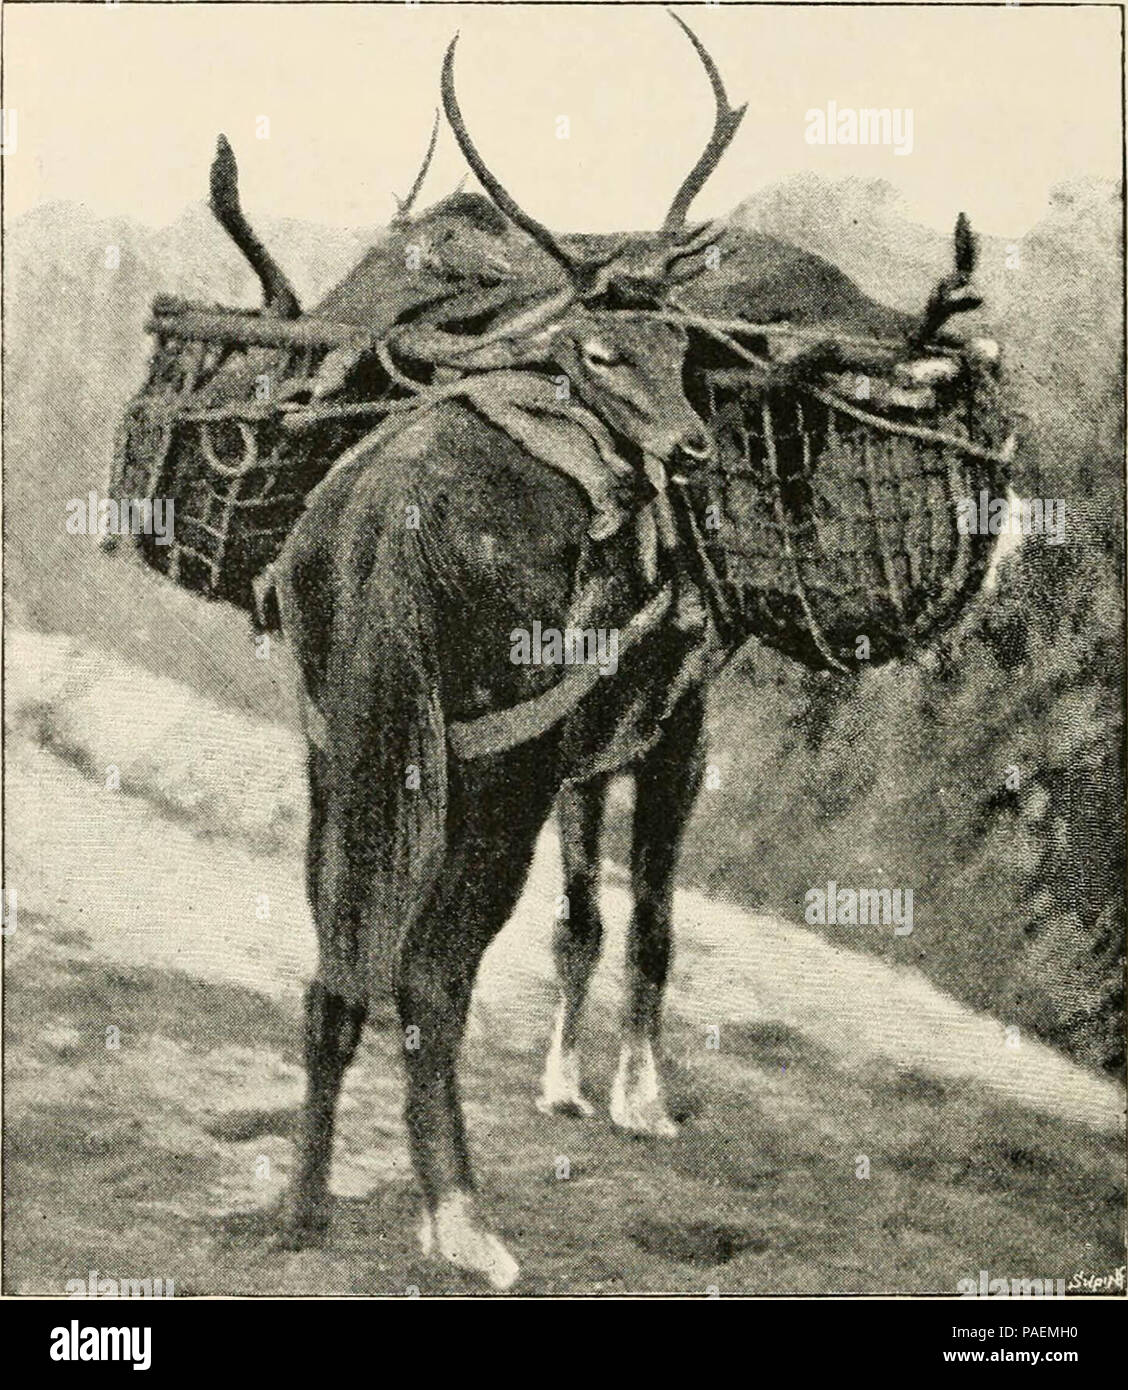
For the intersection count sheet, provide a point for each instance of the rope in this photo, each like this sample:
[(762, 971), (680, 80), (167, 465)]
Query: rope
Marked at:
[(1001, 456), (503, 729), (493, 378)]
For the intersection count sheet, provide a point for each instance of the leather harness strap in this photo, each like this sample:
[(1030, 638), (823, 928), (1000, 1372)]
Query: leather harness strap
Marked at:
[(505, 728)]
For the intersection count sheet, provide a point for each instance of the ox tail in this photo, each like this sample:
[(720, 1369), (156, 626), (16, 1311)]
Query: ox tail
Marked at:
[(379, 766)]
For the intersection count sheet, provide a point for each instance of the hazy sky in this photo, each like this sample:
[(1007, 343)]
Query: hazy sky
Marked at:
[(118, 107)]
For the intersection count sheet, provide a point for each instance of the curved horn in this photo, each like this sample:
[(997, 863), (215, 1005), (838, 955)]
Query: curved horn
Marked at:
[(539, 233), (403, 206), (278, 294), (724, 128)]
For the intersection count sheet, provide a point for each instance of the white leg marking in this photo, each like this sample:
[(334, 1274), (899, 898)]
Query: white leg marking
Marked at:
[(560, 1084), (454, 1232), (636, 1097), (1006, 543)]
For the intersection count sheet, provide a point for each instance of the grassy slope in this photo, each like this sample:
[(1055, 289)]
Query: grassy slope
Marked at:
[(141, 1161)]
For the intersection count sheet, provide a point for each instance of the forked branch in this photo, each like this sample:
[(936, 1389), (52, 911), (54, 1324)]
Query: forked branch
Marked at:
[(955, 293), (627, 271)]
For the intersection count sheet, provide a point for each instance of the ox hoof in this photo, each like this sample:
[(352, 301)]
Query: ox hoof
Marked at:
[(304, 1225), (636, 1100), (453, 1234), (565, 1105), (560, 1086), (650, 1120)]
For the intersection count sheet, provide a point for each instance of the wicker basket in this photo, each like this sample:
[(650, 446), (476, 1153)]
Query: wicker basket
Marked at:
[(826, 523), (203, 433)]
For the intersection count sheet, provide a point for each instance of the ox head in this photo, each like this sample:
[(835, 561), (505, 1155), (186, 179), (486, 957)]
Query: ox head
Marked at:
[(629, 371)]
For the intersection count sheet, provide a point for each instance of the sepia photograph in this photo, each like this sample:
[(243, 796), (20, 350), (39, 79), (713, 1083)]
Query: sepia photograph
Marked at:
[(563, 659)]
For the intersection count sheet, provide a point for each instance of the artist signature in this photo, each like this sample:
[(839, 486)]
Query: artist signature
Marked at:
[(1097, 1283)]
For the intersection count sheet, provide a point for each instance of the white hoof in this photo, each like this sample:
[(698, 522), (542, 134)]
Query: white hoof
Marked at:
[(454, 1234), (560, 1084), (567, 1104), (636, 1099)]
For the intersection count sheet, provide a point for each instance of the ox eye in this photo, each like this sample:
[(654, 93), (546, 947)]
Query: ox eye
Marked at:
[(598, 354)]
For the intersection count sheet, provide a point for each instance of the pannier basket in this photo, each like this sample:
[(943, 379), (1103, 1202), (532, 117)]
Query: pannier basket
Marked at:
[(834, 531), (830, 529), (210, 433)]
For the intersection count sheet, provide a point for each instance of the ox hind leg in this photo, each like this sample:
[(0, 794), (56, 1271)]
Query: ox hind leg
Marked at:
[(332, 1032), (667, 781), (495, 814), (576, 940)]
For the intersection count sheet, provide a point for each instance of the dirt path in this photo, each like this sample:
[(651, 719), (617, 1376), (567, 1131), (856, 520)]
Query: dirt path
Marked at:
[(146, 892)]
